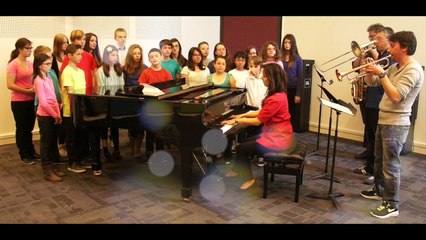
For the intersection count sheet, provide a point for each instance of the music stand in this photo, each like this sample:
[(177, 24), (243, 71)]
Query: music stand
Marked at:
[(339, 108), (325, 175), (323, 79)]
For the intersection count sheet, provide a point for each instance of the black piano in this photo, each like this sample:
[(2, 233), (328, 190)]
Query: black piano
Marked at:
[(194, 110)]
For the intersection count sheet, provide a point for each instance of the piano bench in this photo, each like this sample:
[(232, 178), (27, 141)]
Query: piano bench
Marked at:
[(289, 162)]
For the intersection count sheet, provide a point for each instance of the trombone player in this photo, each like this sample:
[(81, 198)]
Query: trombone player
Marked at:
[(371, 102), (372, 31), (402, 83)]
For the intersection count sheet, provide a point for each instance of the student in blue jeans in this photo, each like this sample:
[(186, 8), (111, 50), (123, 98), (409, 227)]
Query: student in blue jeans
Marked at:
[(402, 83)]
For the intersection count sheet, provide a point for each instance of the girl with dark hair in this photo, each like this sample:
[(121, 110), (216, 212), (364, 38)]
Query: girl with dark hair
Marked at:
[(220, 50), (240, 71), (111, 74), (177, 53), (277, 131), (251, 51), (48, 116), (293, 66), (92, 46), (195, 72), (204, 48), (19, 72)]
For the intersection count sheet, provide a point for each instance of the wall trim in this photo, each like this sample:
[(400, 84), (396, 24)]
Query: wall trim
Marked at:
[(350, 134), (10, 138)]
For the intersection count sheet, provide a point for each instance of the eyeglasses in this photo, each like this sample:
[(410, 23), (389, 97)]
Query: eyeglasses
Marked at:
[(29, 48), (47, 63), (371, 36)]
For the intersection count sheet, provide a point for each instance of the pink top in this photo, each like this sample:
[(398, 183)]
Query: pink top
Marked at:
[(277, 131), (22, 79), (47, 103)]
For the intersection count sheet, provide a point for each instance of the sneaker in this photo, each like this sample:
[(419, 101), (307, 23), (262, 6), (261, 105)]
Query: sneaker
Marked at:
[(260, 162), (361, 171), (362, 155), (97, 172), (76, 168), (86, 164), (28, 161), (385, 211), (369, 180), (371, 194)]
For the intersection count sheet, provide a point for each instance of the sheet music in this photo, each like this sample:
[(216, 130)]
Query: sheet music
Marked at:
[(151, 90), (226, 128), (336, 106)]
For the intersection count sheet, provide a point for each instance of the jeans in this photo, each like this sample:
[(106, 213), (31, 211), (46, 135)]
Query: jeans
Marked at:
[(388, 146)]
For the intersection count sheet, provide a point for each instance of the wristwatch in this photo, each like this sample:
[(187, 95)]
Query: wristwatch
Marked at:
[(382, 75)]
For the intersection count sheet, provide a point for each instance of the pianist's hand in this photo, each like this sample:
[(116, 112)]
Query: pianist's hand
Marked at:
[(229, 122)]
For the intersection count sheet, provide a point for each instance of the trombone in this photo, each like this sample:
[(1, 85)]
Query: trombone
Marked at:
[(341, 75), (356, 49)]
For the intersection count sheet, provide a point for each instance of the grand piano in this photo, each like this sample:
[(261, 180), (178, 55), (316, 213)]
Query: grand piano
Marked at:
[(194, 111)]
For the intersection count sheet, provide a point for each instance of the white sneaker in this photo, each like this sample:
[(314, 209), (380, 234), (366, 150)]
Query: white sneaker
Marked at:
[(260, 162)]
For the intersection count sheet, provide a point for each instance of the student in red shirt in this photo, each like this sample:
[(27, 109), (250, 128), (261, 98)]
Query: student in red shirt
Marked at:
[(154, 74), (277, 131)]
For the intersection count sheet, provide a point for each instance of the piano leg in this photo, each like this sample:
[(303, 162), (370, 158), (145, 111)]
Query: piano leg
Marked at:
[(186, 165)]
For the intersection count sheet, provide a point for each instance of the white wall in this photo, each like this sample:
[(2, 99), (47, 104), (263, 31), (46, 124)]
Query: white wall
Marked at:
[(323, 38)]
